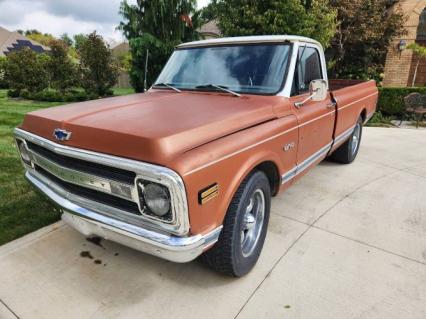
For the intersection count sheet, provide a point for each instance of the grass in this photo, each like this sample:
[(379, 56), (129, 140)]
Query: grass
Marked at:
[(22, 210), (379, 120), (123, 91)]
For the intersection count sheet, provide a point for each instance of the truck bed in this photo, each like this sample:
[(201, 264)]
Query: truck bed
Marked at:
[(353, 97)]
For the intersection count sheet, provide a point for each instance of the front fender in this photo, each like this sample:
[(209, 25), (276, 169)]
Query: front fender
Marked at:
[(228, 161)]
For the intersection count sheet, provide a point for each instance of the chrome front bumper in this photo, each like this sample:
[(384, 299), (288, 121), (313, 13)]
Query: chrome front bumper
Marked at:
[(89, 222)]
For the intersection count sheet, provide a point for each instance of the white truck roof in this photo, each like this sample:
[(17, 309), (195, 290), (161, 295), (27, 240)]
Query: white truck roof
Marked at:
[(249, 39)]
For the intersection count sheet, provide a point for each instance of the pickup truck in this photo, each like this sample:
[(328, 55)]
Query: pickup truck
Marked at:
[(188, 168)]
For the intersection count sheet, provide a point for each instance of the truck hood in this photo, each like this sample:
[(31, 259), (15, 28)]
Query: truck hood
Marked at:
[(154, 127)]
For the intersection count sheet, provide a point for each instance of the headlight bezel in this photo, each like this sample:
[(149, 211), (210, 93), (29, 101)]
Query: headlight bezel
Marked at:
[(144, 206), (168, 184)]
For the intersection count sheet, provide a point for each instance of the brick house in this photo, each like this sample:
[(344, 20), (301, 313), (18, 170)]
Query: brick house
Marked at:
[(400, 62)]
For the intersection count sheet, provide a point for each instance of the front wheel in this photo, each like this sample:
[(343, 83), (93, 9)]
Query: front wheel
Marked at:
[(348, 151), (244, 229)]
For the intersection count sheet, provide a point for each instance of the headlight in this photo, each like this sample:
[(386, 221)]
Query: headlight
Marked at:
[(156, 198), (25, 155)]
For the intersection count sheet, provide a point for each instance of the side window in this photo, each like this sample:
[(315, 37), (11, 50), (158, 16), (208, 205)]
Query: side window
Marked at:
[(308, 69)]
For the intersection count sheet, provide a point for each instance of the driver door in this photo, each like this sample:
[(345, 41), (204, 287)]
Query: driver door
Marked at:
[(315, 119)]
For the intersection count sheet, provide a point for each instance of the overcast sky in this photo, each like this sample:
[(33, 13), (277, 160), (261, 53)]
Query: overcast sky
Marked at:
[(60, 16)]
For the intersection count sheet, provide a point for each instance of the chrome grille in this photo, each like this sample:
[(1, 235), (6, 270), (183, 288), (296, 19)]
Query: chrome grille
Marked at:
[(84, 166), (91, 194), (86, 180)]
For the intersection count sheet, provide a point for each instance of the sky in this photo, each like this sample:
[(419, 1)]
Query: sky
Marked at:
[(65, 16)]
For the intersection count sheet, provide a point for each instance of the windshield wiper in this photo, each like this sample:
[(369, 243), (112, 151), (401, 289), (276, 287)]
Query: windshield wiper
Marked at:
[(170, 86), (219, 87)]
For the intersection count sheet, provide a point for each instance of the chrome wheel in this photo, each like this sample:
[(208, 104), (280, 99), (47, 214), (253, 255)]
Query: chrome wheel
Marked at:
[(252, 222), (355, 138)]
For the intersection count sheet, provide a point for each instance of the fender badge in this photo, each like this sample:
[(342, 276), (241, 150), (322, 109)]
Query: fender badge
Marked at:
[(289, 146), (61, 135)]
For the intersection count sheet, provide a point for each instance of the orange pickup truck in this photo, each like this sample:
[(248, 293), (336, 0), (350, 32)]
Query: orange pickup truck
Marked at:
[(189, 167)]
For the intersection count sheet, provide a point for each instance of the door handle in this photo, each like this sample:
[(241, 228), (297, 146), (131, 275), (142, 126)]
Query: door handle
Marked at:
[(331, 105)]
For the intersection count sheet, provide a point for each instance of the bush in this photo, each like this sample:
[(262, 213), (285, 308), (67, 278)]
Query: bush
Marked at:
[(380, 120), (62, 70), (13, 93), (53, 95), (391, 100), (26, 70), (98, 69), (3, 83)]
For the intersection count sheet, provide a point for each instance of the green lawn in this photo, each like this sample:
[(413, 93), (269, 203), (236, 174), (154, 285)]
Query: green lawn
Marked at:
[(21, 209), (123, 91)]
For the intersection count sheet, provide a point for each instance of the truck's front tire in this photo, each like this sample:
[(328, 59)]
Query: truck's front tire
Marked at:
[(244, 229), (348, 151)]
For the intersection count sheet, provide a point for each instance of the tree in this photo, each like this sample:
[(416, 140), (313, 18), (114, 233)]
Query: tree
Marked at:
[(26, 70), (155, 26), (420, 53), (67, 40), (365, 30), (209, 12), (98, 69), (125, 61), (78, 40), (253, 17), (61, 68)]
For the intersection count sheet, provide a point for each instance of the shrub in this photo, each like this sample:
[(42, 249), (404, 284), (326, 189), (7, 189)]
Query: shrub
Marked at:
[(391, 100), (13, 93), (48, 95), (53, 95), (379, 119), (3, 84), (26, 70), (61, 68), (99, 71)]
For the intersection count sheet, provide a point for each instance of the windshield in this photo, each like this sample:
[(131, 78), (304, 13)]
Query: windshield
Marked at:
[(255, 69)]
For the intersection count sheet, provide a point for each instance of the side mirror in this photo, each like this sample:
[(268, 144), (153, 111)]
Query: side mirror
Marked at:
[(317, 92)]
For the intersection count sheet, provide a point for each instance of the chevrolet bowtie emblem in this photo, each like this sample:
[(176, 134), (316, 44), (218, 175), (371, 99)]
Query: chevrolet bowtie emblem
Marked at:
[(61, 135)]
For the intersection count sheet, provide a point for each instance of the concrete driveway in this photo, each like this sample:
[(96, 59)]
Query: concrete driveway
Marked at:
[(347, 241)]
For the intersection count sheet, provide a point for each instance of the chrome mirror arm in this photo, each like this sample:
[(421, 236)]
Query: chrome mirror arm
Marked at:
[(300, 104)]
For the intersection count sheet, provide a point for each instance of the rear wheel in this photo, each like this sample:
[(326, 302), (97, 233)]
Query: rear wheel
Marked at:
[(244, 229), (348, 151)]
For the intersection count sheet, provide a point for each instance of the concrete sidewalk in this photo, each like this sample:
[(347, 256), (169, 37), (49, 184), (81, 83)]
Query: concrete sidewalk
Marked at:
[(347, 241)]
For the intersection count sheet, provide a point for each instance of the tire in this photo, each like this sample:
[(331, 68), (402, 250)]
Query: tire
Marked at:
[(242, 237), (348, 151)]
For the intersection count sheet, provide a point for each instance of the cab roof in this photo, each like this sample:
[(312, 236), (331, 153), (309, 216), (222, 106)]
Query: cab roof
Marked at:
[(248, 40)]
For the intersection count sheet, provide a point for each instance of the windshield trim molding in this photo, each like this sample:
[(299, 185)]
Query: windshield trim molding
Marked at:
[(248, 40)]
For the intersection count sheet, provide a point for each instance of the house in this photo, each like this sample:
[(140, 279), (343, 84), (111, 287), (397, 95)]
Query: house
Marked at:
[(400, 61), (118, 51), (14, 41), (210, 30)]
